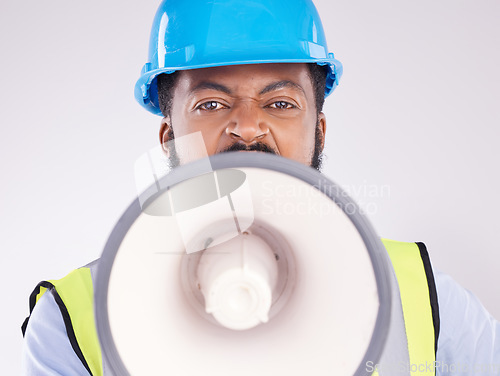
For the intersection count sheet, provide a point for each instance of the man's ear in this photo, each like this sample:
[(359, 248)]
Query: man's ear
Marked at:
[(166, 133), (322, 128)]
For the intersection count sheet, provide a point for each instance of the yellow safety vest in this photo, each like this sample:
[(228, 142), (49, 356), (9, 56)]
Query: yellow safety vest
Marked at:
[(74, 296)]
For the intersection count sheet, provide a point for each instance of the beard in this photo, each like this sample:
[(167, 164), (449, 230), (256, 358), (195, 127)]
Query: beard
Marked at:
[(256, 146), (316, 159)]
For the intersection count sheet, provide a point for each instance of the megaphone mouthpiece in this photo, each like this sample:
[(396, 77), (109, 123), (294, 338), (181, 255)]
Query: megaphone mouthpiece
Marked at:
[(237, 279)]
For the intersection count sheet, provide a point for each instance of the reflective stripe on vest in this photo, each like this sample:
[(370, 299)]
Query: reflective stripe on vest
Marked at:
[(74, 296), (419, 299)]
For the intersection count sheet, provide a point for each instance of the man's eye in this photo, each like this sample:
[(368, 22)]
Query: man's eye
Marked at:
[(210, 106), (281, 105)]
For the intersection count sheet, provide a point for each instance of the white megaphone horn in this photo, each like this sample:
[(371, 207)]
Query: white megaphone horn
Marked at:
[(259, 266)]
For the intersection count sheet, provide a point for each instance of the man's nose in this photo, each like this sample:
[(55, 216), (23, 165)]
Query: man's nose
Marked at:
[(246, 123)]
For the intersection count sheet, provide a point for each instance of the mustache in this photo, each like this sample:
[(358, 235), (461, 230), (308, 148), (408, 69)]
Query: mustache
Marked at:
[(257, 146)]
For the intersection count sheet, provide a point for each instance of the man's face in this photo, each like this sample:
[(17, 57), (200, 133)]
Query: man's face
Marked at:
[(259, 107)]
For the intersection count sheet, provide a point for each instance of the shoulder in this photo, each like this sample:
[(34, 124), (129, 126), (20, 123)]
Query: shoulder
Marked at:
[(50, 324), (469, 337), (47, 349)]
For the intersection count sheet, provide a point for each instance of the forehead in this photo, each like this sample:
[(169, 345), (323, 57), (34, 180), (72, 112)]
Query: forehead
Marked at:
[(249, 78)]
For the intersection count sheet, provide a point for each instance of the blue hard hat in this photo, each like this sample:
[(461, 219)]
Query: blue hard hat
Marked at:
[(208, 33)]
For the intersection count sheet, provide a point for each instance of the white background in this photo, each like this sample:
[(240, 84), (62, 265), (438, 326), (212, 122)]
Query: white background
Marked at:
[(416, 115)]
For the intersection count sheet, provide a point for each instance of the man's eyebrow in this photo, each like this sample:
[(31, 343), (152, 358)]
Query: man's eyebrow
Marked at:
[(211, 86), (280, 85)]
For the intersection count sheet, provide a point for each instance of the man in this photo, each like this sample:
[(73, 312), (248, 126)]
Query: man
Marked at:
[(251, 76)]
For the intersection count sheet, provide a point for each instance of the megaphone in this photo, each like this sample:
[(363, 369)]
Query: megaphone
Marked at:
[(256, 266)]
